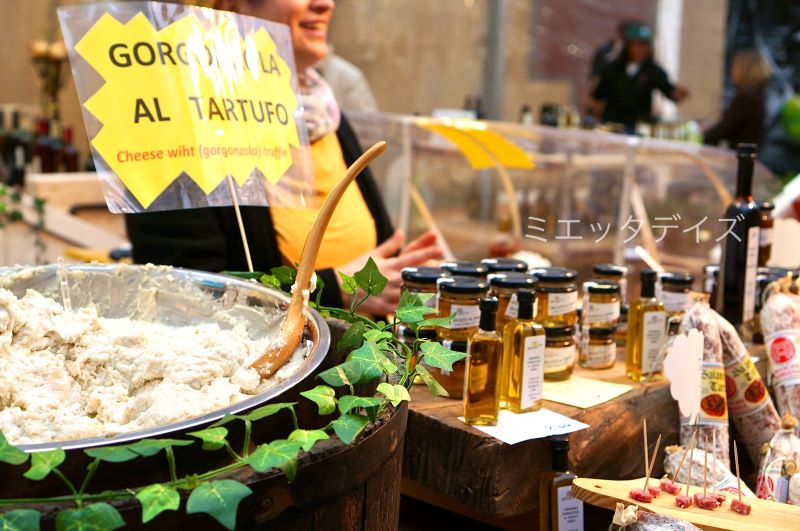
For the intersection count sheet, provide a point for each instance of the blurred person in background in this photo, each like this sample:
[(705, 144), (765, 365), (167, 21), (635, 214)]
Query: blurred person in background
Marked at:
[(605, 54), (209, 239), (743, 119), (626, 84)]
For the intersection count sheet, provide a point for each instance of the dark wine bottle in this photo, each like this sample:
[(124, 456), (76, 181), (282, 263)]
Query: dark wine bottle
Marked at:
[(558, 509), (737, 282), (69, 153)]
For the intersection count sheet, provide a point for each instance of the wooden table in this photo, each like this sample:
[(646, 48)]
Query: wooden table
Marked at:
[(460, 468)]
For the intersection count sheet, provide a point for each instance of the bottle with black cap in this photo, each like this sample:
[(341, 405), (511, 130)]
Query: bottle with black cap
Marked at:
[(482, 375), (647, 332), (558, 509), (737, 275), (523, 359)]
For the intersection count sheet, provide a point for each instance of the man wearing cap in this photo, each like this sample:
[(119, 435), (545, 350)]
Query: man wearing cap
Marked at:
[(626, 85)]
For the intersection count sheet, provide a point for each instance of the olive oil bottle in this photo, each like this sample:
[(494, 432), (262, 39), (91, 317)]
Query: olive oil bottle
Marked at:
[(482, 375), (558, 509), (523, 359), (647, 327)]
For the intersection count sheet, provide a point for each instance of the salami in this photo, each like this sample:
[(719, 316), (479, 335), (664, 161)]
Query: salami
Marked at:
[(780, 321), (740, 507), (719, 476), (779, 463), (669, 486), (706, 501), (640, 495), (683, 501), (712, 422), (749, 405)]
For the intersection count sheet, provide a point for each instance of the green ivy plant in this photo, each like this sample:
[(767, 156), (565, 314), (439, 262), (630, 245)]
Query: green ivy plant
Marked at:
[(377, 356)]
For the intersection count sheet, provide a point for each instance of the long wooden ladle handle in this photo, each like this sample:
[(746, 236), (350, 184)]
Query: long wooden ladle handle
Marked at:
[(292, 327)]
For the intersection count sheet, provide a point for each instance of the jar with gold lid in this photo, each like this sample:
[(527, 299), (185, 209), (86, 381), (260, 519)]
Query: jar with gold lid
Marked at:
[(601, 303), (599, 351), (676, 294), (497, 265), (459, 295), (613, 273), (452, 381), (557, 296), (462, 268), (505, 286), (559, 352)]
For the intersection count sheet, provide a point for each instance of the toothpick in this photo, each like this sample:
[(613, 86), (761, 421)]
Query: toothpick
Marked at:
[(738, 477), (685, 453), (235, 202), (705, 464), (652, 462), (714, 446), (646, 455), (689, 479)]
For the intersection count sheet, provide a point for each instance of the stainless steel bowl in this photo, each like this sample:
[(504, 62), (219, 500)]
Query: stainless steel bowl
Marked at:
[(175, 297)]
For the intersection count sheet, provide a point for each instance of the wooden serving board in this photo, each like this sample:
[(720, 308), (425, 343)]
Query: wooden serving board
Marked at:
[(765, 514)]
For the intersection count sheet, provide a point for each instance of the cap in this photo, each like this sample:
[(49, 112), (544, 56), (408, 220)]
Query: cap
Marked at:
[(555, 274), (463, 285), (559, 331), (612, 270), (638, 32), (601, 286), (604, 332), (525, 297), (488, 304), (424, 275), (678, 278), (512, 280), (469, 269), (505, 264)]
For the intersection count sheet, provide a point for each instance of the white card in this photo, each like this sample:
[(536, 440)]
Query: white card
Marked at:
[(513, 428)]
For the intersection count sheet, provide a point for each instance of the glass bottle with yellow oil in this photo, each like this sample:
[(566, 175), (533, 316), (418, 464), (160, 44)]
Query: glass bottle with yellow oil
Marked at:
[(523, 359), (647, 332), (482, 375), (558, 509)]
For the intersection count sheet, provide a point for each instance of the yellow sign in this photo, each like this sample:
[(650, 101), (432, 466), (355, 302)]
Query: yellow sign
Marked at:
[(193, 98)]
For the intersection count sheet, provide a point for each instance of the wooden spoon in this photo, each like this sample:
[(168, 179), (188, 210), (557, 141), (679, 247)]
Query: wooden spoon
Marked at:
[(292, 327)]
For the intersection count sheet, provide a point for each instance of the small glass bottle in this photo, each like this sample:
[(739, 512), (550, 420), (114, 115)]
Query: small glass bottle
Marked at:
[(505, 286), (497, 265), (557, 296), (613, 273), (452, 381), (459, 295), (558, 509), (482, 375), (676, 294), (600, 351), (460, 268), (601, 303), (766, 223), (523, 359), (559, 352), (647, 333)]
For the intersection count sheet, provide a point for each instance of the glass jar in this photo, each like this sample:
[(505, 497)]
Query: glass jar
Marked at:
[(710, 279), (559, 352), (408, 336), (676, 294), (600, 351), (452, 381), (505, 286), (497, 265), (765, 224), (601, 303), (422, 281), (613, 273), (461, 268), (557, 296), (460, 295)]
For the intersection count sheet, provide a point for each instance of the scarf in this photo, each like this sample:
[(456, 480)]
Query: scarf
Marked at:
[(320, 111)]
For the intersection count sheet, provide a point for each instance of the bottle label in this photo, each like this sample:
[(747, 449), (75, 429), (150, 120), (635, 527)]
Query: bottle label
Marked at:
[(713, 404), (751, 267), (783, 356), (600, 355), (600, 312), (561, 303), (653, 335), (765, 237), (466, 316), (513, 307), (532, 371), (676, 301), (744, 388), (570, 510), (558, 358)]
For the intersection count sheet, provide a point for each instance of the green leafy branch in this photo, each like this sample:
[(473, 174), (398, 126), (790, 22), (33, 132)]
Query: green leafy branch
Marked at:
[(377, 355)]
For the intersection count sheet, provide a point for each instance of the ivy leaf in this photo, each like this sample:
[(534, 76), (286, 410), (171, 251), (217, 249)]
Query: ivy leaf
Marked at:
[(434, 386), (94, 517), (270, 280), (42, 463), (156, 499), (150, 447), (349, 284), (346, 373), (213, 438), (370, 279), (266, 411), (349, 426), (349, 402), (284, 274), (219, 499), (11, 454), (20, 520), (324, 397), (413, 314), (277, 454), (444, 322), (394, 393), (353, 337), (435, 355), (373, 362), (307, 438), (112, 454), (376, 336)]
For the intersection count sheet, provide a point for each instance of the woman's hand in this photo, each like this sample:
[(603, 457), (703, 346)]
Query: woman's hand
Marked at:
[(418, 252)]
